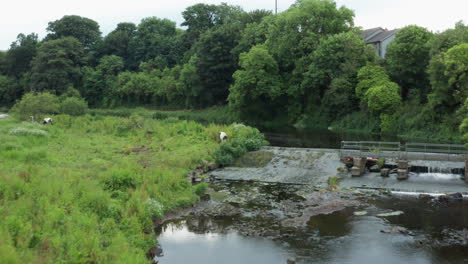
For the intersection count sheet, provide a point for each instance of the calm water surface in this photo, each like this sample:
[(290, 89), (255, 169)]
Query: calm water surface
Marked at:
[(341, 237)]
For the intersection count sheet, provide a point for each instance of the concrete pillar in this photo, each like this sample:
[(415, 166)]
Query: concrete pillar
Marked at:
[(466, 171), (402, 174), (359, 167), (403, 169), (385, 172)]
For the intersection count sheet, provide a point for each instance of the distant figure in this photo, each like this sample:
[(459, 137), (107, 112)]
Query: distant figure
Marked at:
[(32, 119), (47, 121), (223, 136)]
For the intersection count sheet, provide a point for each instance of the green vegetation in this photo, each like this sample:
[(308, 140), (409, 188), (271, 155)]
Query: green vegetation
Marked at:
[(243, 139), (86, 189), (305, 67)]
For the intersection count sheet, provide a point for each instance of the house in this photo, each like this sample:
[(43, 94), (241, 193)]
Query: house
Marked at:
[(379, 38)]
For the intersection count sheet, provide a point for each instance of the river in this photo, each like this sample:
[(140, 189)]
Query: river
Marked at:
[(247, 222), (324, 138), (380, 229)]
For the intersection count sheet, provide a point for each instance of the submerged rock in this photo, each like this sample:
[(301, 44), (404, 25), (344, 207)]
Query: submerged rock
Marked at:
[(360, 213), (451, 197), (396, 230), (396, 213), (453, 238)]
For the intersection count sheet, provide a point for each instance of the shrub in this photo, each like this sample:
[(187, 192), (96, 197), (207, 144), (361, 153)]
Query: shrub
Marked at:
[(154, 208), (119, 180), (244, 139), (73, 106), (201, 188), (36, 105)]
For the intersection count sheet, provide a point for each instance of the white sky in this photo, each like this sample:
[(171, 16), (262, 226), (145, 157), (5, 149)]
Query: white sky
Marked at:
[(26, 16)]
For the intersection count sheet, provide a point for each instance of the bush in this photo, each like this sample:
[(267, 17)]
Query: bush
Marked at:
[(201, 188), (74, 106), (154, 208), (119, 180), (244, 139), (36, 105)]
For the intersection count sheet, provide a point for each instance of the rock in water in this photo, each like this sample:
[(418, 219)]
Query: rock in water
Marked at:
[(396, 213), (396, 230), (451, 197), (360, 213)]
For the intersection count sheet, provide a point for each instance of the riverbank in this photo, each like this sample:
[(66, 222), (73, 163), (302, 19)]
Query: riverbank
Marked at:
[(353, 127), (86, 189)]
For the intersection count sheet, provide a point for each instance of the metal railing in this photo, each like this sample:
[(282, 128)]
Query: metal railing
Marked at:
[(424, 151), (375, 148), (436, 151)]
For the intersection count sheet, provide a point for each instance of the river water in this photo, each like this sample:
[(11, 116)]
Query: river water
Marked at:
[(382, 229), (324, 138)]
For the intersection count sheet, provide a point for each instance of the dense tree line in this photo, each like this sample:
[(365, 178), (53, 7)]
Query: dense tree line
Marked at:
[(307, 65)]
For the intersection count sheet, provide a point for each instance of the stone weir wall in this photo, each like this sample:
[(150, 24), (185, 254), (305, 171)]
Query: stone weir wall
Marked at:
[(316, 166)]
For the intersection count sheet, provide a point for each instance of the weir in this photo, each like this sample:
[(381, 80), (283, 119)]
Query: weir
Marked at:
[(315, 166)]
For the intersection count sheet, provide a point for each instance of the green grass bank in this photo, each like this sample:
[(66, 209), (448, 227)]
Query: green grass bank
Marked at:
[(87, 189)]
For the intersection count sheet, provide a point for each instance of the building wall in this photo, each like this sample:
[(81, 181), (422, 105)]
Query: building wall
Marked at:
[(384, 45)]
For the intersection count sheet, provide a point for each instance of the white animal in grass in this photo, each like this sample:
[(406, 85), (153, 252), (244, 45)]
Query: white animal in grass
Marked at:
[(47, 121), (223, 136)]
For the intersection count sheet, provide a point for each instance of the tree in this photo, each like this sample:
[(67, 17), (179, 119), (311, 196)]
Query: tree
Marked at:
[(191, 84), (464, 124), (98, 83), (83, 29), (200, 18), (383, 98), (456, 70), (350, 53), (118, 41), (155, 38), (19, 56), (216, 63), (444, 96), (407, 60), (3, 64), (73, 106), (370, 76), (255, 16), (295, 33), (9, 90), (57, 65), (256, 85), (37, 105)]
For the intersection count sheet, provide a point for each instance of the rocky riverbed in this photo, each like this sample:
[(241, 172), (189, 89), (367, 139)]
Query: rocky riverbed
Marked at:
[(310, 221)]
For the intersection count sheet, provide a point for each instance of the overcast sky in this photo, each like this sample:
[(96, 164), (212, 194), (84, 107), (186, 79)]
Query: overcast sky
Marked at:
[(26, 16)]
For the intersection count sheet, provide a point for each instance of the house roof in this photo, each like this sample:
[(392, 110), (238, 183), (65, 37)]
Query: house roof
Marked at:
[(382, 36), (368, 33)]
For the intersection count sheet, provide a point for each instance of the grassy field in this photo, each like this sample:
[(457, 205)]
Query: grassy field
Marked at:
[(218, 115), (87, 189)]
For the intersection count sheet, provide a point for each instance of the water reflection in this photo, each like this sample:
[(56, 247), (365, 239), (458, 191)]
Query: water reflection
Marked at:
[(324, 138), (182, 245), (341, 237)]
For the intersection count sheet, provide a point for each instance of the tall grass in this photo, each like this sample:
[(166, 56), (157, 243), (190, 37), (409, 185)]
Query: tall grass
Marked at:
[(217, 115), (89, 190)]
